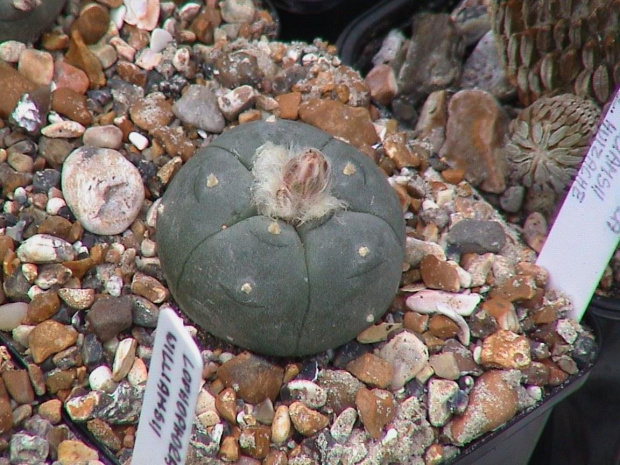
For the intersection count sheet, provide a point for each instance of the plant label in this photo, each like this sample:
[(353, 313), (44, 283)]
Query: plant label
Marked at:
[(175, 374), (587, 229)]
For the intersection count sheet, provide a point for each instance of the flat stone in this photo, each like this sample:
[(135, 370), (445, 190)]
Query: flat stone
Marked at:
[(72, 451), (198, 107), (63, 130), (79, 299), (442, 327), (252, 377), (43, 248), (13, 85), (372, 370), (515, 289), (475, 133), (152, 111), (254, 441), (71, 104), (445, 365), (104, 434), (93, 22), (37, 66), (381, 80), (477, 236), (109, 316), (416, 250), (149, 288), (43, 306), (226, 405), (439, 274), (289, 105), (49, 338), (343, 424), (6, 415), (123, 358), (237, 100), (344, 122), (106, 136), (505, 349), (492, 402), (103, 190), (51, 410), (70, 77), (440, 393), (17, 383), (281, 426), (376, 408), (80, 56), (12, 315), (306, 420), (28, 449), (407, 354), (311, 394), (58, 380)]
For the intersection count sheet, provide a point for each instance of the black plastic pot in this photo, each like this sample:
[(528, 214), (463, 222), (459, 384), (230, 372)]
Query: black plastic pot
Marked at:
[(515, 442)]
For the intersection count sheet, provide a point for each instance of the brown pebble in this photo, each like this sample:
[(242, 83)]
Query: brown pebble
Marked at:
[(60, 380), (49, 338), (442, 327), (226, 405), (515, 289), (93, 22), (276, 457), (453, 175), (289, 105), (6, 244), (6, 415), (42, 307), (505, 349), (342, 121), (66, 75), (131, 73), (254, 441), (36, 65), (80, 56), (381, 81), (73, 451), (71, 104), (396, 148), (306, 420), (17, 383), (372, 370), (439, 274), (51, 410), (229, 449), (151, 112), (13, 85), (492, 402), (376, 409), (104, 434), (416, 322), (253, 378)]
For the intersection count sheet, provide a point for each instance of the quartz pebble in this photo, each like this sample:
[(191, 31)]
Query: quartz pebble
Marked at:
[(103, 190), (12, 315), (407, 354)]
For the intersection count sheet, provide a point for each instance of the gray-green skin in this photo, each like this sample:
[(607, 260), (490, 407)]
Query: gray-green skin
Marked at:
[(27, 26), (311, 289)]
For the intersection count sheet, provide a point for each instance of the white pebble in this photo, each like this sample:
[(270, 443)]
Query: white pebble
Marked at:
[(100, 379), (148, 248), (63, 130), (21, 333), (138, 374), (138, 140), (160, 38), (54, 205), (124, 358), (44, 248), (12, 315), (103, 189)]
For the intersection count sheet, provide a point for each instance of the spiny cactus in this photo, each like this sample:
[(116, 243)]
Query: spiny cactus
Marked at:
[(556, 46), (281, 239)]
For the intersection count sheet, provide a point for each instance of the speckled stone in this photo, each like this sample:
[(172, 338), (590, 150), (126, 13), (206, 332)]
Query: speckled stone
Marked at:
[(49, 338), (376, 408), (505, 349), (372, 370), (307, 421), (71, 104), (198, 107), (151, 112), (72, 451), (109, 316), (407, 354), (103, 190), (252, 377)]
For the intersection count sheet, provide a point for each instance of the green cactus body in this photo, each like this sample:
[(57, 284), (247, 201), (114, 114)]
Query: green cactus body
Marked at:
[(280, 287)]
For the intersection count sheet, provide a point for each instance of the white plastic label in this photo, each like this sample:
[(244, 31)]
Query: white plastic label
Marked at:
[(587, 228), (172, 389)]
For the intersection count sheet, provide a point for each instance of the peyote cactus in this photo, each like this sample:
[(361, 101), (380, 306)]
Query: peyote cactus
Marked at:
[(281, 239)]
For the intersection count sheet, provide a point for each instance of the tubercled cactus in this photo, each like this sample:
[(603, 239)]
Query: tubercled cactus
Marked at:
[(281, 239)]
